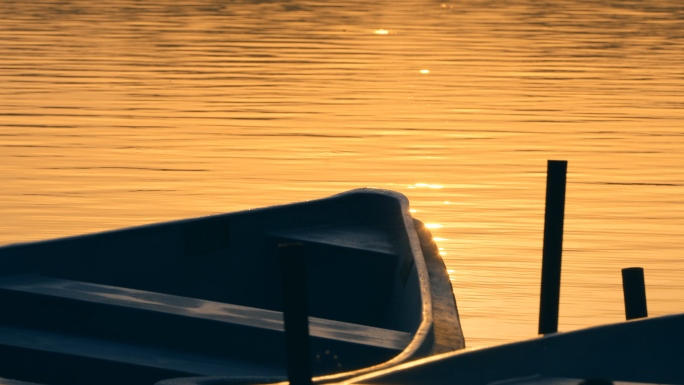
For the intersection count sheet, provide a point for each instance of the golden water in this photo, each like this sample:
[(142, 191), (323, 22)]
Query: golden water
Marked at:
[(124, 112)]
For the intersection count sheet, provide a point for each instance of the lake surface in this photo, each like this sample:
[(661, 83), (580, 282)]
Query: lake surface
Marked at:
[(120, 113)]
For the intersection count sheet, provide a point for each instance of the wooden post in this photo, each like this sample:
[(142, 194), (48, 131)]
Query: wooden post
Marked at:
[(553, 246), (634, 290), (295, 313)]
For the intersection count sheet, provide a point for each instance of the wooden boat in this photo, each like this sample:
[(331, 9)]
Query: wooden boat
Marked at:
[(202, 297), (647, 350)]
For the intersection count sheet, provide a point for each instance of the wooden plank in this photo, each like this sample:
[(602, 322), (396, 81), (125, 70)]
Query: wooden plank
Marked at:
[(182, 362), (202, 309), (368, 238)]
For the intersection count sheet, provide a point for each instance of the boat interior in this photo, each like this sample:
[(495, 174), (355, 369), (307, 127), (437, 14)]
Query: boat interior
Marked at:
[(203, 296)]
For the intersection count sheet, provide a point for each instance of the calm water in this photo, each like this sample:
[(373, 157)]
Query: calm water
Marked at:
[(132, 112)]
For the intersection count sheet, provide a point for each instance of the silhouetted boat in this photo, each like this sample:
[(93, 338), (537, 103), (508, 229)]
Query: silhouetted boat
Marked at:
[(203, 297)]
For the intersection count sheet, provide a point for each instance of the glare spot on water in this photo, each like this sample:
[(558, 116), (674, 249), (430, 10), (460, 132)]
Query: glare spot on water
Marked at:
[(381, 32), (433, 226), (426, 185), (424, 71)]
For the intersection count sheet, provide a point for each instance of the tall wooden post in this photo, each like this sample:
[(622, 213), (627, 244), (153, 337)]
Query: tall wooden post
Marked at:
[(553, 246)]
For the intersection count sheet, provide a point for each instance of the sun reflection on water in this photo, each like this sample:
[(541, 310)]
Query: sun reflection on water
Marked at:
[(136, 113)]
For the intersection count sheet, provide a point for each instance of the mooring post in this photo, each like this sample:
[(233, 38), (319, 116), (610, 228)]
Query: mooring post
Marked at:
[(295, 313), (634, 290), (553, 246)]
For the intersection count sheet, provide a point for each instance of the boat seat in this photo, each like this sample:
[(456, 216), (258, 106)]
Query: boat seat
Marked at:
[(356, 237), (6, 381), (45, 313)]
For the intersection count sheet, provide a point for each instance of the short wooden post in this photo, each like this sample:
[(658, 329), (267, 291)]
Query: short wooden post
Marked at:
[(553, 246), (295, 313), (634, 289)]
